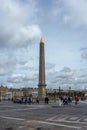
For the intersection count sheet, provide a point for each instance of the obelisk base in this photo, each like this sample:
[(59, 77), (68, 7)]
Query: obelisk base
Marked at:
[(41, 92)]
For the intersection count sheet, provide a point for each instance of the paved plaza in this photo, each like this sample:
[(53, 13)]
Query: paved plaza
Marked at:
[(43, 116)]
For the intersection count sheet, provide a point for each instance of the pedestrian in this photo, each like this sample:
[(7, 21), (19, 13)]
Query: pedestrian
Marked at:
[(76, 99), (46, 100), (60, 102), (37, 100)]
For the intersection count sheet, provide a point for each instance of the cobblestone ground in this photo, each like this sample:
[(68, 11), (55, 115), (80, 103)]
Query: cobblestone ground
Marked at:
[(43, 117)]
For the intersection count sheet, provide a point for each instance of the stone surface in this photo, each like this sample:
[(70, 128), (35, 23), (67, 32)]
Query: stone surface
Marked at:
[(42, 116), (41, 84)]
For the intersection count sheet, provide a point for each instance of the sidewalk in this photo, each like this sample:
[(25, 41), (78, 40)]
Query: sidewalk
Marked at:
[(85, 101)]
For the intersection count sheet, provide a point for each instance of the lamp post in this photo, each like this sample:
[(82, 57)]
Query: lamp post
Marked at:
[(59, 91), (69, 91)]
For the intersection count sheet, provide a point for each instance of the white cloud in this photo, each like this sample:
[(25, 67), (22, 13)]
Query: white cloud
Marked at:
[(2, 71), (22, 80), (18, 22), (19, 28), (71, 12), (26, 35), (84, 53), (76, 79), (66, 69), (49, 66)]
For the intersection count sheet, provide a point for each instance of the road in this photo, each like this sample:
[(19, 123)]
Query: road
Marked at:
[(43, 117)]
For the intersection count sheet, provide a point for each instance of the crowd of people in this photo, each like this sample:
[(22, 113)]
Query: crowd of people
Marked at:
[(63, 100), (30, 100), (23, 100)]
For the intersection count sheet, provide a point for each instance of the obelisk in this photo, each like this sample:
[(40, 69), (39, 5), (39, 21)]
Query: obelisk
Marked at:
[(42, 84)]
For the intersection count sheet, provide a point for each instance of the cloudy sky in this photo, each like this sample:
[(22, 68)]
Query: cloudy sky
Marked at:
[(62, 23)]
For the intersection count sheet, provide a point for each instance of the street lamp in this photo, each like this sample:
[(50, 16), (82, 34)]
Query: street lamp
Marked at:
[(69, 91), (59, 91)]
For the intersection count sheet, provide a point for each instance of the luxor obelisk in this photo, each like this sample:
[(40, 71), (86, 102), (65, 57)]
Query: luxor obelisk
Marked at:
[(42, 84)]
